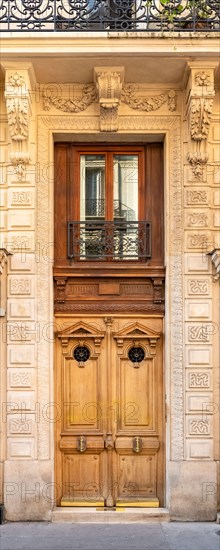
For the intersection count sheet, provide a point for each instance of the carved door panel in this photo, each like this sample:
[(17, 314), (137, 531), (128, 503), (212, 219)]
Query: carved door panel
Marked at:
[(81, 394), (138, 459), (110, 397)]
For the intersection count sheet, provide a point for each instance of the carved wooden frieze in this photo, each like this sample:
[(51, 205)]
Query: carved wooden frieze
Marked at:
[(101, 295)]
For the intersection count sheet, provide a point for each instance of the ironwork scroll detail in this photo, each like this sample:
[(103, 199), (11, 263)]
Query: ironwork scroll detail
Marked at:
[(109, 15), (99, 241)]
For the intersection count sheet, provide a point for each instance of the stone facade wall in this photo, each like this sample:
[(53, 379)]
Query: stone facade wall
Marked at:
[(192, 200)]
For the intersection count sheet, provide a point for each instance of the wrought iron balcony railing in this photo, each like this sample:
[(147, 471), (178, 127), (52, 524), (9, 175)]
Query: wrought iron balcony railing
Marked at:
[(110, 15), (103, 240)]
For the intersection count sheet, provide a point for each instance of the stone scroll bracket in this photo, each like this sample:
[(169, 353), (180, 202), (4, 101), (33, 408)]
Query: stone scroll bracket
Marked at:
[(109, 82), (215, 257), (200, 94), (19, 86)]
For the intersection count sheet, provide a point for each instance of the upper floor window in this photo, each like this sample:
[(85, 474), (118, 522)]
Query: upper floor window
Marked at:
[(103, 195)]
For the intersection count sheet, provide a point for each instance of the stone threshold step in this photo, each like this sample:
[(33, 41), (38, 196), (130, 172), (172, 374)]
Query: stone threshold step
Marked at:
[(121, 515)]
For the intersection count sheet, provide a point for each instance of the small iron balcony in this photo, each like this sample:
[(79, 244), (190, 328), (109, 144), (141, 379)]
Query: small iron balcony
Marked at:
[(110, 15), (98, 240)]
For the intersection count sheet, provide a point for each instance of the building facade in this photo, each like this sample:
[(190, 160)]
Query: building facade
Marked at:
[(110, 237)]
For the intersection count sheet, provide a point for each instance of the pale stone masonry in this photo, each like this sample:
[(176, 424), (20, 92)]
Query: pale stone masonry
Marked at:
[(176, 101)]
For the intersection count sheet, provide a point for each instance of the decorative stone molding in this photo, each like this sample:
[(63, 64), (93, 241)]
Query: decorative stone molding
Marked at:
[(200, 93), (21, 198), (197, 219), (202, 79), (169, 125), (109, 81), (18, 86), (20, 161), (199, 380), (17, 103), (197, 196), (199, 427), (198, 286), (200, 118), (197, 161), (89, 95), (130, 97), (198, 333), (109, 91)]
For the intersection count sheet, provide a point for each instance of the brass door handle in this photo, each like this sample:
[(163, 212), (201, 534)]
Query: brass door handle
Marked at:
[(137, 444), (81, 444)]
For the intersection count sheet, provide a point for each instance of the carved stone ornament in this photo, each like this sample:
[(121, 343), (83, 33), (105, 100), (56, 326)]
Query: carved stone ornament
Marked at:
[(201, 111), (215, 256), (130, 97), (202, 79), (199, 219), (199, 427), (197, 161), (3, 259), (109, 81), (17, 103), (89, 95), (200, 93), (20, 161)]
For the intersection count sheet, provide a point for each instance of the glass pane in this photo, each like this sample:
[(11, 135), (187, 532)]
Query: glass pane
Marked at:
[(92, 205), (126, 242), (92, 187), (126, 187)]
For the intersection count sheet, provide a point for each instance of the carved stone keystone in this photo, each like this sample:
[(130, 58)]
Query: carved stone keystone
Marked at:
[(109, 82)]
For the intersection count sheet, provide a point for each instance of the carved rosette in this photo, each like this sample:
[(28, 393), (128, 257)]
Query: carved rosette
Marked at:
[(109, 81)]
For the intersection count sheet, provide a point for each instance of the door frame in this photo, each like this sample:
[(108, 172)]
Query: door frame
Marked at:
[(140, 128)]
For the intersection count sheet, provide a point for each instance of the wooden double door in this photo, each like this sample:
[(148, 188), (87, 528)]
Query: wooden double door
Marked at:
[(110, 411)]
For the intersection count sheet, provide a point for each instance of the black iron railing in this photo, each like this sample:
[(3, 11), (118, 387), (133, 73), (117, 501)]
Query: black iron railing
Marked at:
[(101, 241), (110, 15)]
